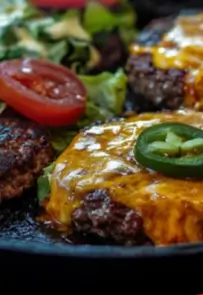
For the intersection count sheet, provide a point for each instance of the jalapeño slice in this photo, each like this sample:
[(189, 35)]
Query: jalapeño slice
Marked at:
[(173, 149)]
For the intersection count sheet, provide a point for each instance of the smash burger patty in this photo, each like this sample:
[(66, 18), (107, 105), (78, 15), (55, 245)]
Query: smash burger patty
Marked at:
[(165, 64), (24, 152), (98, 188)]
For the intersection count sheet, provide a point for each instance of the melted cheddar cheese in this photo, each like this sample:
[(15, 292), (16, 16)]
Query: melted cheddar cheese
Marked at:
[(102, 158), (182, 48)]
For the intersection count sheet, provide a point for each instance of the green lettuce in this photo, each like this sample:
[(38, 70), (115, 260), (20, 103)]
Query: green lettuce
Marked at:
[(106, 94), (26, 31), (62, 37), (124, 20)]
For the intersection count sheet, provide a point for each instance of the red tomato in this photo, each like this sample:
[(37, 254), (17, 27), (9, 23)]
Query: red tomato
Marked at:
[(45, 92), (68, 3)]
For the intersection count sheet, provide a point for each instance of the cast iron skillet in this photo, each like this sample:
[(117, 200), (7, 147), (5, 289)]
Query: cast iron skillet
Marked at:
[(33, 256), (38, 256)]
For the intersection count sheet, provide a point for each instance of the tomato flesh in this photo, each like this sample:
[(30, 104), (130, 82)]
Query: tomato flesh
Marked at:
[(42, 91), (44, 87)]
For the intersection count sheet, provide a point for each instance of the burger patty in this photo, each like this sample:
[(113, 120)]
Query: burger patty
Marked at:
[(98, 188), (155, 87), (111, 221), (24, 152)]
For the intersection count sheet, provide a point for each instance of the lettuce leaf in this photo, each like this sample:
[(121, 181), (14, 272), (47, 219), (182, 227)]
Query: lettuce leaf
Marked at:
[(98, 18), (106, 95), (27, 31)]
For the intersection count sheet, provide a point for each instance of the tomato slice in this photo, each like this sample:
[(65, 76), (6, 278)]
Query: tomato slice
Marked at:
[(45, 92)]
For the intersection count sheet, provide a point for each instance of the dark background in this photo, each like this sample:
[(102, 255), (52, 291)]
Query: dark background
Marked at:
[(148, 9)]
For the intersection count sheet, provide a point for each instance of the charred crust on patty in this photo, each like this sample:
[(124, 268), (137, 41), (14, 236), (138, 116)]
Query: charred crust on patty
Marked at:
[(111, 221), (24, 152)]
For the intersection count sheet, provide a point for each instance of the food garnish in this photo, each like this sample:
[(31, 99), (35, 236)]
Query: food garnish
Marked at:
[(174, 149)]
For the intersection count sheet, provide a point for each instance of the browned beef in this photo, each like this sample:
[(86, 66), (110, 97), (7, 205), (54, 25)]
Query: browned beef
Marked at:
[(24, 152), (100, 216), (153, 88), (162, 89)]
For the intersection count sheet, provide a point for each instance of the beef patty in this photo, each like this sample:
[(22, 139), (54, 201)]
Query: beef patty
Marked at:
[(154, 88), (98, 188), (165, 64), (24, 152)]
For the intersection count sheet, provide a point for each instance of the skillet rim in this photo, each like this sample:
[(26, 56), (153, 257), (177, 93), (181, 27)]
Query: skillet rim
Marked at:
[(100, 252)]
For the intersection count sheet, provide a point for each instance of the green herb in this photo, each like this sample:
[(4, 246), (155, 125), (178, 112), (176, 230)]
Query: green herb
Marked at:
[(124, 20)]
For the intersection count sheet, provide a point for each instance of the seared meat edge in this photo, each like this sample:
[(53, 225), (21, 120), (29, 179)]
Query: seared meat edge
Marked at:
[(24, 152), (111, 221)]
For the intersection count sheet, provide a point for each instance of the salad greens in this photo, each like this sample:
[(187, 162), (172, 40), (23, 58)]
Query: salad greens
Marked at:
[(61, 37)]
